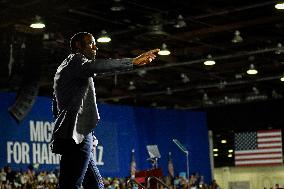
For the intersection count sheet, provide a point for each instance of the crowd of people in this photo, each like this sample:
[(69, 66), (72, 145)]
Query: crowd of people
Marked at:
[(31, 179), (34, 179)]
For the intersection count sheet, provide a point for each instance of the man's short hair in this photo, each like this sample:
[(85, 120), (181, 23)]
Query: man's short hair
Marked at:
[(78, 37)]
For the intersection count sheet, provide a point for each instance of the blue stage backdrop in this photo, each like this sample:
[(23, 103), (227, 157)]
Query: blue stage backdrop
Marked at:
[(121, 129)]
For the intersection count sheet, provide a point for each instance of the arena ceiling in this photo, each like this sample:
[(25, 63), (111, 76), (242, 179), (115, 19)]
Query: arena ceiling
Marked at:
[(179, 80)]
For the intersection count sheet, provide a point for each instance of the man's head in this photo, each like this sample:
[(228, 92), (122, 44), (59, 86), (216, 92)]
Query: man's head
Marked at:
[(84, 43)]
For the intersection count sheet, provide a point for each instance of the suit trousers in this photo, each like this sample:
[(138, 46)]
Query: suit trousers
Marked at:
[(78, 168)]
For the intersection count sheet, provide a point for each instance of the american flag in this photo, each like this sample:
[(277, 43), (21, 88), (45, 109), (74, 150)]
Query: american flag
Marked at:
[(258, 148), (170, 166), (132, 164)]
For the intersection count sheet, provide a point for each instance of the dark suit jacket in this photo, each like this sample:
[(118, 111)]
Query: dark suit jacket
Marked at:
[(74, 102)]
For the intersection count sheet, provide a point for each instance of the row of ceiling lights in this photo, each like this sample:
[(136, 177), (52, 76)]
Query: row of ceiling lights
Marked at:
[(104, 38), (251, 70), (180, 22)]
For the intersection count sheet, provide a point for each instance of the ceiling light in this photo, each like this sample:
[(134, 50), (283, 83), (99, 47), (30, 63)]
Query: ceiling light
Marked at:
[(169, 91), (104, 38), (209, 61), (180, 23), (230, 155), (131, 86), (276, 95), (222, 84), (238, 76), (117, 6), (237, 37), (164, 51), (184, 78), (280, 49), (252, 70), (215, 150), (205, 97), (279, 6), (255, 90), (230, 151), (141, 72), (38, 24), (215, 155), (206, 100), (229, 100), (256, 97), (154, 104), (282, 78), (223, 141)]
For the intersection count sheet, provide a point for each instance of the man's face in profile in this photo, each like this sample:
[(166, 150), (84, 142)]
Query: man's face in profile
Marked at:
[(88, 47)]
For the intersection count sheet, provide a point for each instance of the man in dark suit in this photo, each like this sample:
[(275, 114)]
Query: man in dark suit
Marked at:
[(75, 110)]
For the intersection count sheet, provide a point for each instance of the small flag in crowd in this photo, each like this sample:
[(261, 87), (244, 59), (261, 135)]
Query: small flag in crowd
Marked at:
[(132, 164), (258, 148), (170, 165)]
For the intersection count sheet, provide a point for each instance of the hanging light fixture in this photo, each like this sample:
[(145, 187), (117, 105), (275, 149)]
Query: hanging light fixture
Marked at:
[(117, 6), (205, 97), (280, 49), (38, 24), (252, 70), (206, 100), (141, 72), (237, 37), (279, 6), (164, 50), (276, 95), (169, 91), (180, 23), (131, 86), (184, 78), (282, 78), (104, 37), (209, 61), (255, 90)]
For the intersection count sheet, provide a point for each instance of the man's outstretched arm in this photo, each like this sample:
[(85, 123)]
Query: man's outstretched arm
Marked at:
[(89, 67)]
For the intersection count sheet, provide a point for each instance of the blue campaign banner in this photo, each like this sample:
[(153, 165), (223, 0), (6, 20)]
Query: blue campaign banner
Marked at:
[(121, 129), (26, 143)]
